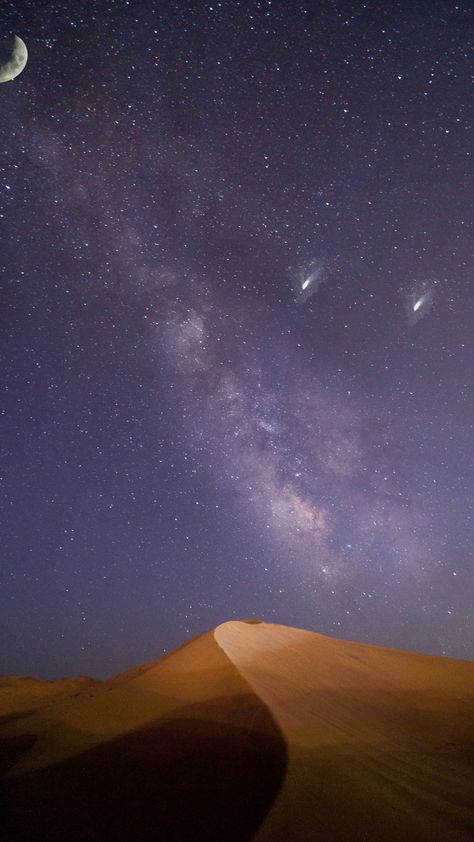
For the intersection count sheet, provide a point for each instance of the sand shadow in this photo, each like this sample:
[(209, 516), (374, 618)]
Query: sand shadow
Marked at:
[(12, 748), (210, 772)]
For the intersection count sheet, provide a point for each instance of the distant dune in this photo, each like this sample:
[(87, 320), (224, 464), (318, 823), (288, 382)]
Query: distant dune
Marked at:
[(252, 731)]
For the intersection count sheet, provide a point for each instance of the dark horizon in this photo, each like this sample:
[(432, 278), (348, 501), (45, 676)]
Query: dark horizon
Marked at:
[(188, 641)]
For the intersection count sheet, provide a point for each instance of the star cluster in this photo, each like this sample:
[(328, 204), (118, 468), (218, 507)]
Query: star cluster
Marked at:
[(237, 319)]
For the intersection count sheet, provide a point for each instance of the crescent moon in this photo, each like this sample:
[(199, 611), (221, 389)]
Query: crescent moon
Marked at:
[(16, 63)]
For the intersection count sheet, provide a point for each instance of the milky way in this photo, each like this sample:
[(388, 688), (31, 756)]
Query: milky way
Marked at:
[(237, 327)]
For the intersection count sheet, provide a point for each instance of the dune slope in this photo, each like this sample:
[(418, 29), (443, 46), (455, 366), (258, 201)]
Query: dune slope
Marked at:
[(380, 741), (181, 749)]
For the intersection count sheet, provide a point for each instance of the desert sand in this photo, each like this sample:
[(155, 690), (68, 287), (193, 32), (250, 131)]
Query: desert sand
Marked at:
[(251, 731)]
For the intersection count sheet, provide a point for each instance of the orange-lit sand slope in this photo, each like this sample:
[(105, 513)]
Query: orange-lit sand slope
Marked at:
[(380, 742), (253, 731)]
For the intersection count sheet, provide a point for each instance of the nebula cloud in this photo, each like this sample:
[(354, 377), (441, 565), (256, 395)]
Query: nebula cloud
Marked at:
[(291, 452)]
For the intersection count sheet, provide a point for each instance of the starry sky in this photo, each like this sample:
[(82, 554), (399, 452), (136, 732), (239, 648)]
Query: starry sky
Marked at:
[(237, 363)]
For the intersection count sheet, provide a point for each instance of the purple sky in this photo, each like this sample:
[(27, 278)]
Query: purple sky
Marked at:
[(237, 326)]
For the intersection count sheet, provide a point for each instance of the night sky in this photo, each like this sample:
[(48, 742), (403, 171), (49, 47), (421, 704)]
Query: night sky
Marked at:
[(237, 326)]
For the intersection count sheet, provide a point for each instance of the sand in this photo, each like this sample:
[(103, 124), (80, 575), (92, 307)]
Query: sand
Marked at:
[(381, 742), (252, 731)]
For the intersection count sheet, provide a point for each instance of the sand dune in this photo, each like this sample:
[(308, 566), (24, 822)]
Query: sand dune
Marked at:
[(23, 693), (380, 742), (253, 731)]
